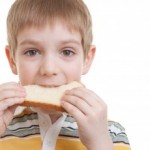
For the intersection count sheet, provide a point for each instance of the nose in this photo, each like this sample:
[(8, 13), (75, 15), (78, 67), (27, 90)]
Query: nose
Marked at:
[(49, 66)]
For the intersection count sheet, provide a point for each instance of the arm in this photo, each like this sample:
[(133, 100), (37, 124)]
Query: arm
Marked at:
[(11, 94), (90, 113)]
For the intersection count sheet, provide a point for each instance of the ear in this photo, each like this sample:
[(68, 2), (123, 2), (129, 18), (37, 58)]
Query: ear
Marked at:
[(89, 59), (11, 60)]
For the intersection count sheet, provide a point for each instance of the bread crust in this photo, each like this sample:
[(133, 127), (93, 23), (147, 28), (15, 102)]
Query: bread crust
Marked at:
[(30, 103)]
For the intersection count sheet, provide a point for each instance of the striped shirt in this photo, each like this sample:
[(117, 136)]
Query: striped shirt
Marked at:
[(24, 134)]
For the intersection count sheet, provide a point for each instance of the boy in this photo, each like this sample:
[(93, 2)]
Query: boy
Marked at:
[(49, 44)]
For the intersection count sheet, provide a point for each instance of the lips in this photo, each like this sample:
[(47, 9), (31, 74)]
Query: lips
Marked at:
[(49, 84)]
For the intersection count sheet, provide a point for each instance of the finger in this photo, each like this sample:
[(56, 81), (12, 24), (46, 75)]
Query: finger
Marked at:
[(77, 102), (4, 122), (2, 127), (89, 96), (11, 94), (5, 104), (11, 86), (72, 110), (9, 114)]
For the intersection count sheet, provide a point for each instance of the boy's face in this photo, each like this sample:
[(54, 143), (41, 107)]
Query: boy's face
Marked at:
[(49, 56)]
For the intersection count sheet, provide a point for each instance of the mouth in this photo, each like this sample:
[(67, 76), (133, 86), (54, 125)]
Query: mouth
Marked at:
[(50, 85)]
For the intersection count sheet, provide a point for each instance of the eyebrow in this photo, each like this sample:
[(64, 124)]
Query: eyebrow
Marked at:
[(70, 41), (29, 41)]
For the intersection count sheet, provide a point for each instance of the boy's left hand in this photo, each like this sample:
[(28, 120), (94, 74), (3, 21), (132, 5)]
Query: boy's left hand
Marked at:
[(90, 113)]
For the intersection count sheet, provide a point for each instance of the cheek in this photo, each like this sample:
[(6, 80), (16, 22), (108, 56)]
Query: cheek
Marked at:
[(74, 72), (26, 73)]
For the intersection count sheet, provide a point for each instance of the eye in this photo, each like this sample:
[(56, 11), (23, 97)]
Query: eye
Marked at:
[(68, 52), (32, 52)]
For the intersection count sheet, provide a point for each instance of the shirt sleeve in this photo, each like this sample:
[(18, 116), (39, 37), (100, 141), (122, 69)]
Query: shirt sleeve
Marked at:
[(119, 136)]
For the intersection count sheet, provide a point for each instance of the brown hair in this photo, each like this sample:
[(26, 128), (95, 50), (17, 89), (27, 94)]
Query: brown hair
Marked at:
[(27, 13)]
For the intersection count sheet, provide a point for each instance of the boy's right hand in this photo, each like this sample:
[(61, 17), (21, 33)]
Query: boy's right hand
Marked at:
[(11, 94)]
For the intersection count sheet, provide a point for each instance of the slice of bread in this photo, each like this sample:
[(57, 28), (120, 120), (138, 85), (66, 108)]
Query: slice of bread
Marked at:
[(49, 98)]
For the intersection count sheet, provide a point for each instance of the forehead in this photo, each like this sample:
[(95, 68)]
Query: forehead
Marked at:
[(49, 32)]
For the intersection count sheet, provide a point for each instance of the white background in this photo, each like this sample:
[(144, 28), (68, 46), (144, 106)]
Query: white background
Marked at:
[(120, 74)]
